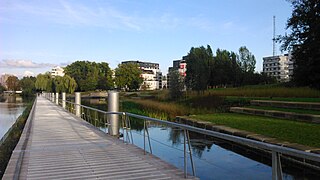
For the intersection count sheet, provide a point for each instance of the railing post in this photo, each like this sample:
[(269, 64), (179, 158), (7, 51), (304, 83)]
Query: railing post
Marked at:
[(276, 166), (52, 97), (64, 100), (185, 153), (57, 98), (78, 103), (113, 106)]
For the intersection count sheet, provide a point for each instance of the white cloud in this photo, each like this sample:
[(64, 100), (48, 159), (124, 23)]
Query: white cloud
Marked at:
[(28, 74), (106, 16), (23, 64)]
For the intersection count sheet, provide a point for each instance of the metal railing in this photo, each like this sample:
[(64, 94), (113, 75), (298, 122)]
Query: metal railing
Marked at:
[(276, 150)]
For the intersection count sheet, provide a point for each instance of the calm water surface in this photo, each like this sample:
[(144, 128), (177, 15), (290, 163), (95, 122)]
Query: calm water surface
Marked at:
[(11, 108), (213, 158)]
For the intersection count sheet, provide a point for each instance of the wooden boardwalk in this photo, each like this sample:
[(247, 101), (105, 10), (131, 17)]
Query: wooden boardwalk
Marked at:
[(57, 145)]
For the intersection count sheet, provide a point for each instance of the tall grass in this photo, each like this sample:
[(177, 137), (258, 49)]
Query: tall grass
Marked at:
[(170, 109)]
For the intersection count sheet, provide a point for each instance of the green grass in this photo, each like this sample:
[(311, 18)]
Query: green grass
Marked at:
[(238, 98), (286, 130), (299, 111), (267, 92)]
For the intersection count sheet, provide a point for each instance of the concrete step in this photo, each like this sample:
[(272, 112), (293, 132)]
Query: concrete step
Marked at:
[(287, 104), (277, 114)]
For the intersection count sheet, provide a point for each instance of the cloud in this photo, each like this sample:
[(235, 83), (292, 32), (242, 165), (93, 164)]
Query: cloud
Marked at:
[(23, 64), (103, 15), (28, 74)]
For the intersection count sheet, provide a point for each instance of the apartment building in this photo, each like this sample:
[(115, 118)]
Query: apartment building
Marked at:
[(280, 67), (57, 71), (178, 65), (151, 74)]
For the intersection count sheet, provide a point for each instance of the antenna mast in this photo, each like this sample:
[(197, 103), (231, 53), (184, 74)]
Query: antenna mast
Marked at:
[(274, 36)]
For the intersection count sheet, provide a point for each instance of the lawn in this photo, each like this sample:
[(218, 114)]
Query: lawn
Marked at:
[(286, 130), (299, 111)]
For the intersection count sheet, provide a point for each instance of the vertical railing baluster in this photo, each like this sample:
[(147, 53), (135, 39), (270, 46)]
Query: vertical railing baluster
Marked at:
[(185, 153), (276, 166)]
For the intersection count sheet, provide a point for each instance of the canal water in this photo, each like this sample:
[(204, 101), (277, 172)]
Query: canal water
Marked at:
[(213, 158), (11, 107)]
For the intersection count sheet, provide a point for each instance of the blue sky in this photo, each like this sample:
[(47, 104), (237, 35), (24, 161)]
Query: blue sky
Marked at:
[(38, 34)]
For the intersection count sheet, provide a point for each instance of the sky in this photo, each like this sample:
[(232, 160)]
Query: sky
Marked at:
[(36, 35)]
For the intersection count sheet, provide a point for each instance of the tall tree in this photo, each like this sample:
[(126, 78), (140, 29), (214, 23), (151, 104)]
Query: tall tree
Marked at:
[(128, 76), (90, 75), (198, 71), (13, 83), (27, 85), (44, 82), (246, 59), (176, 85), (304, 40)]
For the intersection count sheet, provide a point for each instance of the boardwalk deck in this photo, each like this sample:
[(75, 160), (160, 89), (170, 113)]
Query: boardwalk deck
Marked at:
[(61, 146)]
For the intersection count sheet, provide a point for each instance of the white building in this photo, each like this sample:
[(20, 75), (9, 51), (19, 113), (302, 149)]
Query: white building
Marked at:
[(280, 67), (57, 71), (152, 77)]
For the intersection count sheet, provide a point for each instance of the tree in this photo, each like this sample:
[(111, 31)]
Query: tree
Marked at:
[(304, 41), (90, 75), (176, 85), (2, 88), (13, 83), (246, 60), (198, 71), (128, 76), (44, 82), (27, 85), (64, 84)]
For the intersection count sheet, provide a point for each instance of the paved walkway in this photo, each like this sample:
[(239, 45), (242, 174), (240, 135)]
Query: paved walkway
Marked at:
[(61, 146)]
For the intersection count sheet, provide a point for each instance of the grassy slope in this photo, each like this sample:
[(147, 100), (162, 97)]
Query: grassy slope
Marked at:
[(299, 111), (292, 131)]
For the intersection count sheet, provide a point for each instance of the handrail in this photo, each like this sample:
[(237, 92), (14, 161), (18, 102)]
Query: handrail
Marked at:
[(275, 150), (232, 138)]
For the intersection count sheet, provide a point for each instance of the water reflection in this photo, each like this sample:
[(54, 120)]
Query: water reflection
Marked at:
[(11, 107)]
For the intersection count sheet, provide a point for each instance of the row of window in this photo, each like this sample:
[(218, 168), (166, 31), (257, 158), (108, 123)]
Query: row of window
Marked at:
[(273, 64)]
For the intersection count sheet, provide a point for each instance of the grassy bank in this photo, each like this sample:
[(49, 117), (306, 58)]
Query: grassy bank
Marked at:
[(11, 141), (285, 130), (266, 91), (299, 111)]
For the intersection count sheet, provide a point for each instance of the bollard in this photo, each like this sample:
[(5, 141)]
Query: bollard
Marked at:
[(57, 98), (52, 97), (78, 103), (64, 100), (113, 106)]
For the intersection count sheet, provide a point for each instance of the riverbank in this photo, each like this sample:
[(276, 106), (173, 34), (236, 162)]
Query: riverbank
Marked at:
[(13, 136)]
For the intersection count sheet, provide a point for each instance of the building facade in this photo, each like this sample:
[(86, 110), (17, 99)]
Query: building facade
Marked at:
[(180, 66), (280, 67), (57, 71), (151, 75)]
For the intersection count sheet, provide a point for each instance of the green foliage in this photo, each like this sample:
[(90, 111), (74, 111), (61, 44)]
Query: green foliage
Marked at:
[(224, 69), (246, 59), (44, 82), (176, 85), (90, 75), (2, 88), (198, 70), (286, 130), (13, 83), (304, 40), (127, 76), (27, 85)]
